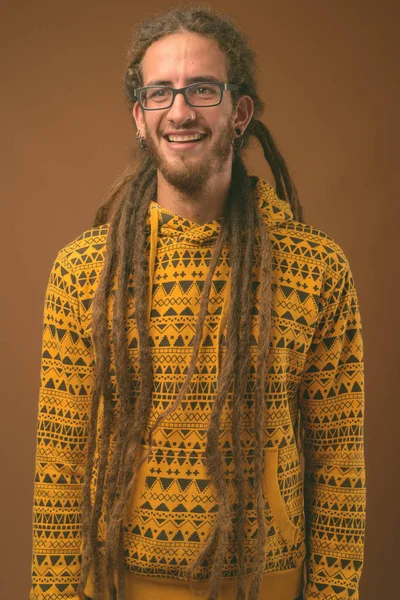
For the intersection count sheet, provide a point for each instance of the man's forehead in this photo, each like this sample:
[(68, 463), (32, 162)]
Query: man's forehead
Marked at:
[(183, 56)]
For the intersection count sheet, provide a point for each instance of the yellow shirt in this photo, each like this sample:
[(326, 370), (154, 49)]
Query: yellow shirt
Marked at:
[(316, 519)]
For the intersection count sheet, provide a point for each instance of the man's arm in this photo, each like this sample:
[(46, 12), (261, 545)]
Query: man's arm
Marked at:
[(62, 428), (331, 400)]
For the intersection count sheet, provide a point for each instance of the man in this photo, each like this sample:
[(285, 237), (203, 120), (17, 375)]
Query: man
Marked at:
[(188, 337)]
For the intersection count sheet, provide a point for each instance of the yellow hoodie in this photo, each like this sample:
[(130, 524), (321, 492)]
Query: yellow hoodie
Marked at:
[(315, 516)]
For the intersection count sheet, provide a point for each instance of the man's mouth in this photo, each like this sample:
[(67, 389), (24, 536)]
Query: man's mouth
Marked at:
[(185, 139)]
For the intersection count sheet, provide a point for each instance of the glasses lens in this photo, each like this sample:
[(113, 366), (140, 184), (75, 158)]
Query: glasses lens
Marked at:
[(203, 94), (155, 97)]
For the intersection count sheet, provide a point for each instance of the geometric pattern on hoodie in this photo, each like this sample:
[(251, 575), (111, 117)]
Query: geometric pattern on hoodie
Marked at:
[(316, 349)]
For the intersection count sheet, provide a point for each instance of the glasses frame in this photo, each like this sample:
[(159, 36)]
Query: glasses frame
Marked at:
[(222, 86)]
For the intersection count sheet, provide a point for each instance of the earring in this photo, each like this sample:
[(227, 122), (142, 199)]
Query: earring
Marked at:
[(237, 142), (141, 140)]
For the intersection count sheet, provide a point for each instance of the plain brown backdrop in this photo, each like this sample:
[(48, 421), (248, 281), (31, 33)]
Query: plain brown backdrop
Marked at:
[(328, 74)]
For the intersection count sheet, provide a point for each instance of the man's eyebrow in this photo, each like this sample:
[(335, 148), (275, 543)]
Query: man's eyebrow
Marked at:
[(188, 80)]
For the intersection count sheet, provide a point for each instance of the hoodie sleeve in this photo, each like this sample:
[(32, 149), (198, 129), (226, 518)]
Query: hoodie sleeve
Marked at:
[(62, 427), (332, 412)]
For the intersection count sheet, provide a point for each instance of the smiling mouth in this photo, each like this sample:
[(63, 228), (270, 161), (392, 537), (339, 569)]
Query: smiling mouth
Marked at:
[(185, 139)]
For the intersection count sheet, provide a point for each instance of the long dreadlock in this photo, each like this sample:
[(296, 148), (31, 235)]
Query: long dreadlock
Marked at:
[(124, 422)]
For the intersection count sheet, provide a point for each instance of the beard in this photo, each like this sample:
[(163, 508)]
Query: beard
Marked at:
[(193, 178)]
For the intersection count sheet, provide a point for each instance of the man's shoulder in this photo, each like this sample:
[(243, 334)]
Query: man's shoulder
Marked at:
[(300, 242), (310, 244), (87, 249)]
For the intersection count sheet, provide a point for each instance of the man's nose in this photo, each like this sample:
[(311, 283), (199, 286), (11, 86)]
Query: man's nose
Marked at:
[(180, 109)]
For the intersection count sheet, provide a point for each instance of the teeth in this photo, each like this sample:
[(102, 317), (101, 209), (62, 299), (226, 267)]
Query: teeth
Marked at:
[(185, 138)]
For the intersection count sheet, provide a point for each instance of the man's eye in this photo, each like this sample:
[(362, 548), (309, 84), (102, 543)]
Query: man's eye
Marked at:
[(203, 90), (158, 93)]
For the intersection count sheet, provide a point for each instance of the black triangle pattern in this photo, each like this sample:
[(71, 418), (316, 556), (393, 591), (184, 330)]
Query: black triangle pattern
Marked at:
[(315, 346)]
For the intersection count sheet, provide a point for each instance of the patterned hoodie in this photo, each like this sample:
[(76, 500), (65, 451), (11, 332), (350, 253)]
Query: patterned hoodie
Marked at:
[(314, 508)]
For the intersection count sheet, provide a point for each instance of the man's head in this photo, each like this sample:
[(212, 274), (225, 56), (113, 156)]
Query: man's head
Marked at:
[(175, 47), (177, 60)]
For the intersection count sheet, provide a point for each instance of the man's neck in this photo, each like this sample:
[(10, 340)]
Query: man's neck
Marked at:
[(201, 207)]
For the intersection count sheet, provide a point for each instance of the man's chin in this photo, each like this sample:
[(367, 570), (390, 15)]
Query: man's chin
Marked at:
[(181, 167), (186, 180)]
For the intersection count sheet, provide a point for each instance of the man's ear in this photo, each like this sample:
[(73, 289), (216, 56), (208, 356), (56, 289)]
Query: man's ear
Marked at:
[(243, 112), (138, 116)]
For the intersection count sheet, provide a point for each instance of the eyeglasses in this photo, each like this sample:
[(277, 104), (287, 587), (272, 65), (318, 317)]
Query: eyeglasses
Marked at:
[(206, 93)]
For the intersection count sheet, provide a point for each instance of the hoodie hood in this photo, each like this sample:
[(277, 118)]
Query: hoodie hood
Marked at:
[(273, 209), (175, 229)]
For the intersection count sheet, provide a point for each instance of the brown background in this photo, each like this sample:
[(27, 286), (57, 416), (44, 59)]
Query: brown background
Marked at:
[(328, 74)]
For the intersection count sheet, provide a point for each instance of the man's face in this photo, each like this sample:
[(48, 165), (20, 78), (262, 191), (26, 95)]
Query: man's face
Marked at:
[(174, 60)]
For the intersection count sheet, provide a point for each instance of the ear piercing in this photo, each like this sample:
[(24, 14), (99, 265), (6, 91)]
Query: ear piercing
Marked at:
[(141, 140), (237, 142)]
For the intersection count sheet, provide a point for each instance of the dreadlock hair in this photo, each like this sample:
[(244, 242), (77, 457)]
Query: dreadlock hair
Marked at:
[(123, 422)]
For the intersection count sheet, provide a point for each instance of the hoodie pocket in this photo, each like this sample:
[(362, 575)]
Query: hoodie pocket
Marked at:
[(275, 500)]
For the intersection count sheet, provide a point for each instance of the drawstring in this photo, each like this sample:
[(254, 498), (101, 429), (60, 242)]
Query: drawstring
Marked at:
[(222, 321), (153, 253)]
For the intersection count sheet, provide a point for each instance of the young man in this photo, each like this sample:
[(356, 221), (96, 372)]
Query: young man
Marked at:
[(190, 337)]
